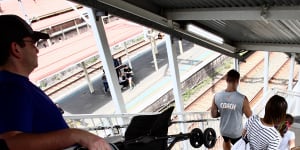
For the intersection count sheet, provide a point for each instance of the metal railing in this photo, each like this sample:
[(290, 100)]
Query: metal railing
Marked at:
[(116, 124), (292, 98)]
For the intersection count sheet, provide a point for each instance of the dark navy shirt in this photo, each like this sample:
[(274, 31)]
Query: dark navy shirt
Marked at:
[(24, 107)]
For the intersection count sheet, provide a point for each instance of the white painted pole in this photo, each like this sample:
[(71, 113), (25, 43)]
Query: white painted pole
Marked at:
[(90, 84), (180, 46), (266, 72), (174, 69), (154, 41), (236, 64), (106, 57), (153, 53), (23, 11), (155, 46), (108, 18), (127, 54), (76, 25), (63, 33), (291, 75), (49, 42)]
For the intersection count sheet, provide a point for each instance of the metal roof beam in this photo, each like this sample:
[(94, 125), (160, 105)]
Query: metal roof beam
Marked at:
[(287, 48), (236, 13), (149, 19)]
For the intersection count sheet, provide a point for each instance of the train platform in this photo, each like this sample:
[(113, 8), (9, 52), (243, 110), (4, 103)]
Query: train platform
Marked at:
[(150, 84), (69, 52)]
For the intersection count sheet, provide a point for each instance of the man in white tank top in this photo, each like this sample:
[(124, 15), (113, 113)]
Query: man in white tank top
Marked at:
[(230, 105)]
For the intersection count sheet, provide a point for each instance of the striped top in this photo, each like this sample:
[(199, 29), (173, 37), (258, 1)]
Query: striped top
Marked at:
[(261, 137)]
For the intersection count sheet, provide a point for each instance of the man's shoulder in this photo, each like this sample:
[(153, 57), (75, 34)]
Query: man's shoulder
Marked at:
[(8, 78), (13, 87), (11, 84), (240, 94), (220, 93)]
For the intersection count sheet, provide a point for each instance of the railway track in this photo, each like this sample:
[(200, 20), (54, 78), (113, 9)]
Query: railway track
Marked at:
[(251, 80), (94, 68), (279, 81)]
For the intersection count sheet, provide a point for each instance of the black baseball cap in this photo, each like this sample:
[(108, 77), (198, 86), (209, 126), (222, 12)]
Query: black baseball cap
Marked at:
[(14, 28)]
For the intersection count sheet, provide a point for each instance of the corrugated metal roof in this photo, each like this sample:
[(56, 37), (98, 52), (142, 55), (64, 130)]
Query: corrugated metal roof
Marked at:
[(174, 4), (258, 31), (276, 31)]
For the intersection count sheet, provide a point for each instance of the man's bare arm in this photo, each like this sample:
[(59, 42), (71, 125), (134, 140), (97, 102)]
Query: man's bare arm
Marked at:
[(214, 110), (56, 140), (246, 108)]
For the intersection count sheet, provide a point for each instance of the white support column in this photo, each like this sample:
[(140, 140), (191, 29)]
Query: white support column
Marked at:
[(266, 72), (49, 42), (174, 69), (127, 54), (153, 35), (236, 64), (108, 18), (153, 53), (76, 26), (90, 84), (155, 46), (180, 46), (291, 75), (106, 57), (24, 11), (63, 33)]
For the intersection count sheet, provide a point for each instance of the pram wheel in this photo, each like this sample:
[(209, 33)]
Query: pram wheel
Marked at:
[(196, 138), (210, 137)]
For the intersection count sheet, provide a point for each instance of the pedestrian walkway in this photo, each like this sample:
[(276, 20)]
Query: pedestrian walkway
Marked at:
[(157, 84)]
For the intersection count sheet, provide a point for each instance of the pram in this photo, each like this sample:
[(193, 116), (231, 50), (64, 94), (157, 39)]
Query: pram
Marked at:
[(149, 132)]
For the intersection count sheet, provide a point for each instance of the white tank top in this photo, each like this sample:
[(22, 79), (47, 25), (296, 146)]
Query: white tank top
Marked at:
[(289, 135)]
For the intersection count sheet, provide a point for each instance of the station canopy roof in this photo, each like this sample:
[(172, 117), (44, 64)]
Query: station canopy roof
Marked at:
[(243, 25)]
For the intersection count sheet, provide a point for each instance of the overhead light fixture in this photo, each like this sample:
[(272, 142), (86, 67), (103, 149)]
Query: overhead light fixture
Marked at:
[(204, 34)]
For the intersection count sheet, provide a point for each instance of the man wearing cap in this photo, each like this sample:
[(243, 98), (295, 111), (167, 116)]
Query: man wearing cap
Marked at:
[(26, 112)]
